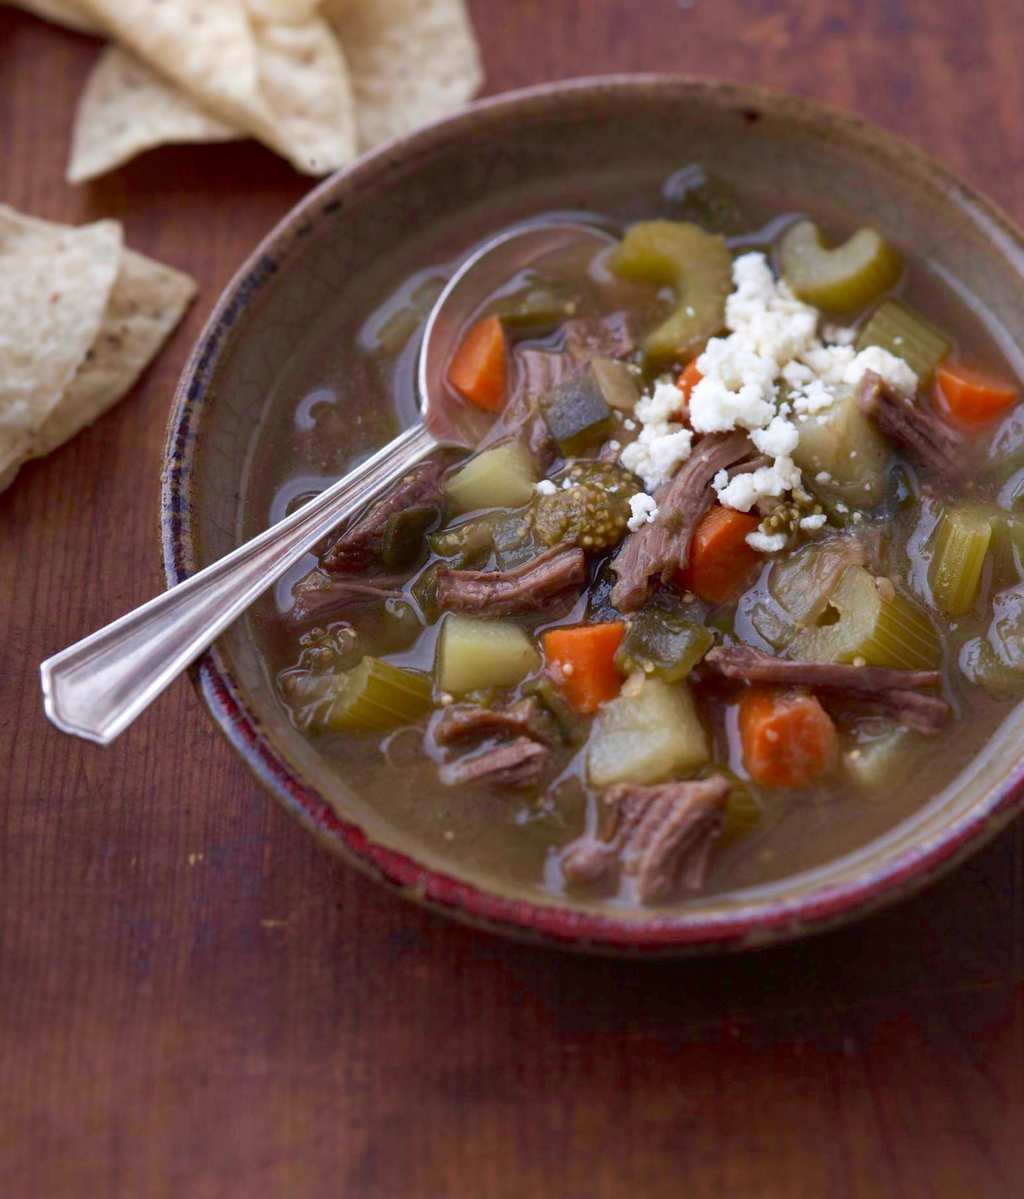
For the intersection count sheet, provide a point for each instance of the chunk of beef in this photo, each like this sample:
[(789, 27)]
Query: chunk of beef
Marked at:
[(663, 547), (319, 596), (915, 427), (518, 763), (464, 722), (599, 336), (887, 690), (358, 545), (661, 835), (535, 585)]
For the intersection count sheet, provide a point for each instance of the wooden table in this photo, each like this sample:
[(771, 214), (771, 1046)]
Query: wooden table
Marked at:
[(196, 1000)]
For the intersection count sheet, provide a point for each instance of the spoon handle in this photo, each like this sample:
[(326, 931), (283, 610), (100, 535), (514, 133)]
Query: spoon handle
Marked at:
[(95, 688)]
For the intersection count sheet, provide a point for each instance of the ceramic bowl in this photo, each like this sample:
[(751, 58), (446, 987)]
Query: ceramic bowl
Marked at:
[(488, 166)]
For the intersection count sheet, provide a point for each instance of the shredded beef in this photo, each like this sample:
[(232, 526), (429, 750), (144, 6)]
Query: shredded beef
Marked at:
[(319, 596), (599, 336), (914, 427), (535, 585), (660, 835), (881, 688), (663, 547), (359, 544), (517, 763), (462, 722)]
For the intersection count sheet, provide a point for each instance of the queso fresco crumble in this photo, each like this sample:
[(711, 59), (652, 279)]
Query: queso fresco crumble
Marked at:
[(770, 376)]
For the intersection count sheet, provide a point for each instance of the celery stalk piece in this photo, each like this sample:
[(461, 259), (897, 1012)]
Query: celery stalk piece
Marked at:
[(377, 696), (872, 623), (697, 265), (896, 327), (616, 383), (842, 444), (961, 545), (842, 279)]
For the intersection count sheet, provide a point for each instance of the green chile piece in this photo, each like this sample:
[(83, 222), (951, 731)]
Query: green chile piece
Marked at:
[(663, 644), (577, 415), (842, 279), (697, 264)]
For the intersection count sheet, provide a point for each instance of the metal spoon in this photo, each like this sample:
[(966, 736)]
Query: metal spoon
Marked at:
[(96, 687)]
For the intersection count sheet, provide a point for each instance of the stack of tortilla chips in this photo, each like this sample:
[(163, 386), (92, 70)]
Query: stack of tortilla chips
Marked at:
[(316, 80), (80, 318)]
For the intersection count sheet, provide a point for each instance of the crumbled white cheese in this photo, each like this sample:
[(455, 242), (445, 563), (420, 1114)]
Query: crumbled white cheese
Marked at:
[(766, 314), (823, 476), (663, 442), (812, 523), (737, 390), (643, 508), (893, 370), (615, 445), (744, 490), (766, 543), (839, 335), (629, 424), (779, 439), (545, 487)]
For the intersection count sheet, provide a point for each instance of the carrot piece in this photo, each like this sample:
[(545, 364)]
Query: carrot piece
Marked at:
[(788, 739), (971, 397), (720, 559), (479, 367), (582, 662), (688, 380)]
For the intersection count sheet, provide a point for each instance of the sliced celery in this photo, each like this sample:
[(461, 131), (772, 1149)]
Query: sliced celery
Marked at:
[(502, 477), (843, 449), (662, 644), (377, 696), (650, 732), (962, 539), (866, 620), (842, 279), (697, 265), (474, 654), (803, 582), (896, 327)]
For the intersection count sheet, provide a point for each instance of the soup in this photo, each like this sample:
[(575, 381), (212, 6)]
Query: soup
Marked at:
[(731, 586)]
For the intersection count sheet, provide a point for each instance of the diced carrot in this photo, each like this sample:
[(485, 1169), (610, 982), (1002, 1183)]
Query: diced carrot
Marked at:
[(688, 380), (788, 738), (972, 397), (581, 660), (720, 560), (479, 367)]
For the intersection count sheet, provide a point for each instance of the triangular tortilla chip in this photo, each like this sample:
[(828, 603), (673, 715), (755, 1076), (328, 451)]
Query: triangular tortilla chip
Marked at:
[(60, 12), (410, 62), (146, 304), (55, 284), (126, 109), (284, 83)]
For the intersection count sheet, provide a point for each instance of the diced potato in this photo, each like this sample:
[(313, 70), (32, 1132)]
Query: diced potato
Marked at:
[(616, 383), (843, 444), (502, 477), (648, 733), (477, 654)]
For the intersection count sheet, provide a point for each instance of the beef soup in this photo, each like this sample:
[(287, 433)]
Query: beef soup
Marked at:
[(732, 585)]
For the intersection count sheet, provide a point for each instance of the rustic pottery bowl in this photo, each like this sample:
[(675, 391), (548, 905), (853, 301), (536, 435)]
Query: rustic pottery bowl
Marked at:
[(489, 166)]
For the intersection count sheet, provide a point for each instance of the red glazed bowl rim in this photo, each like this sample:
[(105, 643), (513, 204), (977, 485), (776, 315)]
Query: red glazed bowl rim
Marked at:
[(754, 925)]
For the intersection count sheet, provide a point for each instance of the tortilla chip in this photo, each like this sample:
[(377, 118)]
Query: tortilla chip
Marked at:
[(146, 304), (60, 12), (126, 109), (410, 61), (55, 283), (283, 82)]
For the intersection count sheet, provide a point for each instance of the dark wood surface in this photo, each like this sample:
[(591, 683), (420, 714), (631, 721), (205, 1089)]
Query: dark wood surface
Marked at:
[(196, 1000)]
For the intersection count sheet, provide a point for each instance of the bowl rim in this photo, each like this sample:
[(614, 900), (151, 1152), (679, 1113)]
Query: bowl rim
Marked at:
[(754, 925)]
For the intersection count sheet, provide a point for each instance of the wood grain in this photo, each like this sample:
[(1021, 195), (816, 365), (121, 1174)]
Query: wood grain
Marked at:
[(196, 1000)]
